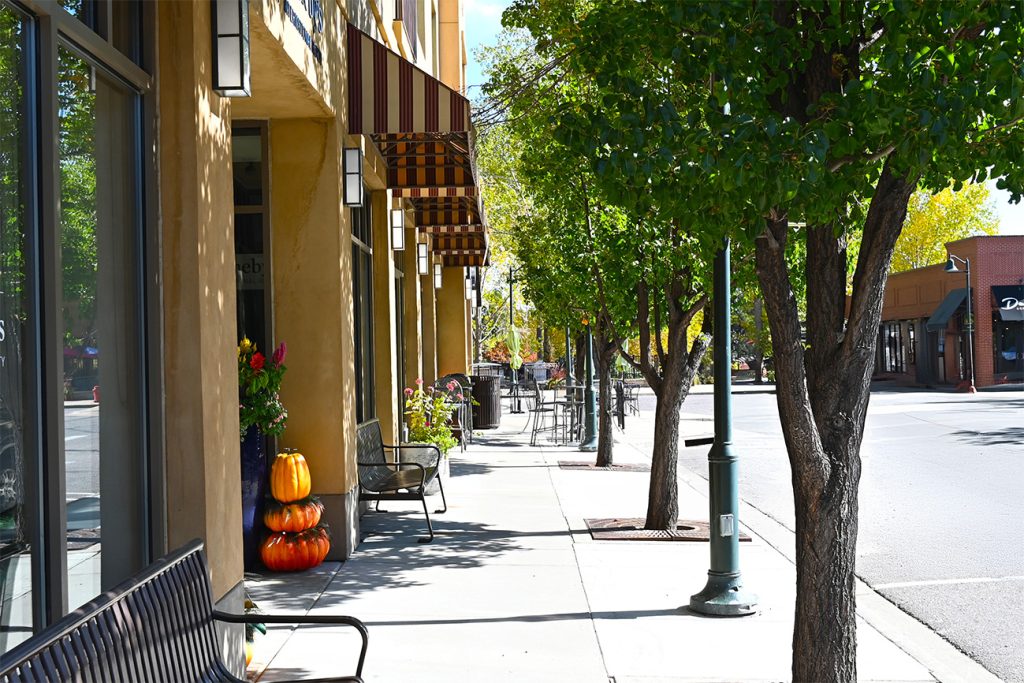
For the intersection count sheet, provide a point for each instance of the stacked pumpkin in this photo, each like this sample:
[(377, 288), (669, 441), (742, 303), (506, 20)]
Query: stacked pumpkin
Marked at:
[(297, 540)]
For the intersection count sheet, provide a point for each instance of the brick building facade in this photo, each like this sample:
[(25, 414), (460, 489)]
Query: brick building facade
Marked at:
[(924, 330)]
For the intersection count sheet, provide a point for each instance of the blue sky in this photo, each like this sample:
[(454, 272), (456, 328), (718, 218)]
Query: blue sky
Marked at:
[(483, 23)]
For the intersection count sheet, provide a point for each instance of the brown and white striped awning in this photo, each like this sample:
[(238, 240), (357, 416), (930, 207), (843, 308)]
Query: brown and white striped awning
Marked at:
[(423, 130)]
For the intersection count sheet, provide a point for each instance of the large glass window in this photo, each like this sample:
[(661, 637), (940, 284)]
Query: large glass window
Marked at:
[(1009, 349), (103, 440), (362, 303), (15, 538)]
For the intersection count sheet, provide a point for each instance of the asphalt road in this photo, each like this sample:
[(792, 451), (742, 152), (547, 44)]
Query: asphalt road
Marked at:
[(941, 505)]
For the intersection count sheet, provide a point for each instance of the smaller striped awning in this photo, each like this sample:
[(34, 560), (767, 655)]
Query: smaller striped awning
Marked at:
[(424, 133)]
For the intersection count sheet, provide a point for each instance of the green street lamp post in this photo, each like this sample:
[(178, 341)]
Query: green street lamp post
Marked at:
[(951, 268), (723, 595), (568, 357), (589, 443)]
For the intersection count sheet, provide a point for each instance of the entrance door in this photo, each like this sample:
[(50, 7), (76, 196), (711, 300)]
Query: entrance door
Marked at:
[(1009, 350)]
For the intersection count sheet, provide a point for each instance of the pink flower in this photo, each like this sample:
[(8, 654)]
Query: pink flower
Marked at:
[(280, 353), (419, 381), (451, 385), (460, 397), (408, 391)]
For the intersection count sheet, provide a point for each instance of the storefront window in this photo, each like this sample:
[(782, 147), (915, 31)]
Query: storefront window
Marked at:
[(15, 546), (103, 421), (400, 337), (251, 237), (1009, 350), (362, 302)]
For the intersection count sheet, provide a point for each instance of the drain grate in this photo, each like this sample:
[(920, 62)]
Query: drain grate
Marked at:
[(631, 529), (584, 465)]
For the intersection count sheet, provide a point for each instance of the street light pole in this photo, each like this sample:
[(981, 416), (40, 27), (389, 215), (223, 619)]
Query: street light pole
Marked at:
[(568, 357), (723, 595), (515, 403), (589, 443), (951, 268)]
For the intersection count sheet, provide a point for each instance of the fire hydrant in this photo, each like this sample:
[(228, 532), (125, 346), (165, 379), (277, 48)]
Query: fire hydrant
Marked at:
[(96, 393)]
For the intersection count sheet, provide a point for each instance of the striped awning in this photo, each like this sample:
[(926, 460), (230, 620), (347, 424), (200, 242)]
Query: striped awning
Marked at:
[(423, 131)]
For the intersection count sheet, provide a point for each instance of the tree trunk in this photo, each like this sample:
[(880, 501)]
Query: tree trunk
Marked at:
[(825, 628), (758, 365), (580, 359), (546, 345), (663, 495), (605, 440)]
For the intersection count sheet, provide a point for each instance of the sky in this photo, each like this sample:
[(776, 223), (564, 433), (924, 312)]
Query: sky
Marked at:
[(483, 23)]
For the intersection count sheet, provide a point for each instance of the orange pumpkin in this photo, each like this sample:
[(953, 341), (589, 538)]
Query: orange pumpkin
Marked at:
[(293, 517), (285, 552), (289, 477)]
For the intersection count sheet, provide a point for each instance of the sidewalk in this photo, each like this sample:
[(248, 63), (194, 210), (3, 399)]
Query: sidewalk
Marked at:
[(514, 589)]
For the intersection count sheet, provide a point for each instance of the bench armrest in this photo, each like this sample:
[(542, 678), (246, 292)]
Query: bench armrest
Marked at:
[(329, 619), (437, 451)]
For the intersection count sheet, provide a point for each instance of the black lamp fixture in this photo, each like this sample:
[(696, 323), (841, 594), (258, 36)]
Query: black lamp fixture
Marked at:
[(352, 166), (398, 229), (231, 68), (422, 258), (951, 268)]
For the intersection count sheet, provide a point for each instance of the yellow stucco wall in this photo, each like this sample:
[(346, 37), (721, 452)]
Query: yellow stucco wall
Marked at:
[(311, 240), (428, 326), (453, 351), (384, 333), (200, 367), (413, 310)]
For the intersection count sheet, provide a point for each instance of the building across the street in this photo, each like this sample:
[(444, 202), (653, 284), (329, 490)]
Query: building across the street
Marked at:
[(175, 176), (926, 334)]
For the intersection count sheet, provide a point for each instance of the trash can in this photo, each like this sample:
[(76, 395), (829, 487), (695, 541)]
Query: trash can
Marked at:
[(487, 394)]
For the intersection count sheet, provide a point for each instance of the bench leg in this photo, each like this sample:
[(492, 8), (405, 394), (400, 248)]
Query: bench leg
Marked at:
[(440, 485), (423, 499)]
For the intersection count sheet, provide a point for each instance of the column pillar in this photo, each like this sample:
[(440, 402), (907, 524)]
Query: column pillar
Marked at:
[(312, 251), (413, 307), (384, 333), (452, 317), (429, 315), (203, 476)]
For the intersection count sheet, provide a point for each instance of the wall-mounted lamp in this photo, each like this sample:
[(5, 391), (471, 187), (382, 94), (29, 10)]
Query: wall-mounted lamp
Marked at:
[(437, 276), (231, 69), (398, 229), (422, 259), (352, 162), (469, 284)]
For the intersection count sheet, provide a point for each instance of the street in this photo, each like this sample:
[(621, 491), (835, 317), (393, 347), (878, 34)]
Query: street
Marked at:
[(940, 505)]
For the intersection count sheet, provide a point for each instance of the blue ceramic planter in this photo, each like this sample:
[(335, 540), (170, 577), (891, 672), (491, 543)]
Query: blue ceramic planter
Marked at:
[(254, 490)]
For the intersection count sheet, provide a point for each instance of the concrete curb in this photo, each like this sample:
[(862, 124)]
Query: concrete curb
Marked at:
[(942, 658)]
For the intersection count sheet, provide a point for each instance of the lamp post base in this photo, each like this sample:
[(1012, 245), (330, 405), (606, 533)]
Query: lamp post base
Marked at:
[(723, 596), (589, 446)]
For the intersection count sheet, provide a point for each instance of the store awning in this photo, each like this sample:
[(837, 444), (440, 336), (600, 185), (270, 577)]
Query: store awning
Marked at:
[(423, 131), (1009, 301), (940, 318)]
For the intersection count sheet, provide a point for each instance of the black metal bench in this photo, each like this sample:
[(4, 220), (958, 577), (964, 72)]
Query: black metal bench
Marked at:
[(404, 479), (156, 626)]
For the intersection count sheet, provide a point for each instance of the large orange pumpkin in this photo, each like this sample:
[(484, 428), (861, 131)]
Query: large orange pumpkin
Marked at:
[(289, 477), (285, 552), (293, 517)]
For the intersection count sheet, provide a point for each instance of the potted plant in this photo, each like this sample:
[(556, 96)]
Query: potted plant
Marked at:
[(428, 413), (260, 414)]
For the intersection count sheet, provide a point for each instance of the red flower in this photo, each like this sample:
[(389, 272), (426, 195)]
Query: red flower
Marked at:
[(257, 361)]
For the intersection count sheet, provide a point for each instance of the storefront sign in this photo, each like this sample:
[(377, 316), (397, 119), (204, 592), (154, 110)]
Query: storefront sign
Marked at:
[(1010, 300), (250, 270), (313, 12), (3, 338)]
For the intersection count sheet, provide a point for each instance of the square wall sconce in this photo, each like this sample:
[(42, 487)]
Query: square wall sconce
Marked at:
[(438, 277), (352, 162), (422, 259), (469, 284), (231, 68), (398, 229)]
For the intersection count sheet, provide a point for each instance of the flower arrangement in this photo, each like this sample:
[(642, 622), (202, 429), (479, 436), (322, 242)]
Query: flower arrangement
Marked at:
[(258, 385), (428, 412)]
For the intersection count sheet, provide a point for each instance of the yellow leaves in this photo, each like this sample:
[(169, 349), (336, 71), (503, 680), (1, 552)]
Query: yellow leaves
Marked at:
[(934, 220)]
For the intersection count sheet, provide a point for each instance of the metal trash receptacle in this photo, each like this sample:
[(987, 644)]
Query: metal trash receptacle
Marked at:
[(487, 394)]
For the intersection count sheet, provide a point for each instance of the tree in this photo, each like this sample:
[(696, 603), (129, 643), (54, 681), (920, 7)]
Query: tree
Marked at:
[(946, 216), (795, 126)]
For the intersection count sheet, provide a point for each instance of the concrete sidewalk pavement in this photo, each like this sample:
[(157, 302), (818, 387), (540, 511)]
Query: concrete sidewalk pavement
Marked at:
[(513, 588)]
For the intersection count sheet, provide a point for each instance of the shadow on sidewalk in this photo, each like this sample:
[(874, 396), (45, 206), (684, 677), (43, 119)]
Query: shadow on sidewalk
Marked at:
[(540, 618), (1010, 435)]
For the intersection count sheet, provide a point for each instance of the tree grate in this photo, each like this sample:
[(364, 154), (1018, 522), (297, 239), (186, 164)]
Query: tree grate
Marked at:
[(584, 465), (631, 529)]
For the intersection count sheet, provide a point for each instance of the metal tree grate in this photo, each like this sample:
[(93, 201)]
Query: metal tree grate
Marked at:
[(631, 529)]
